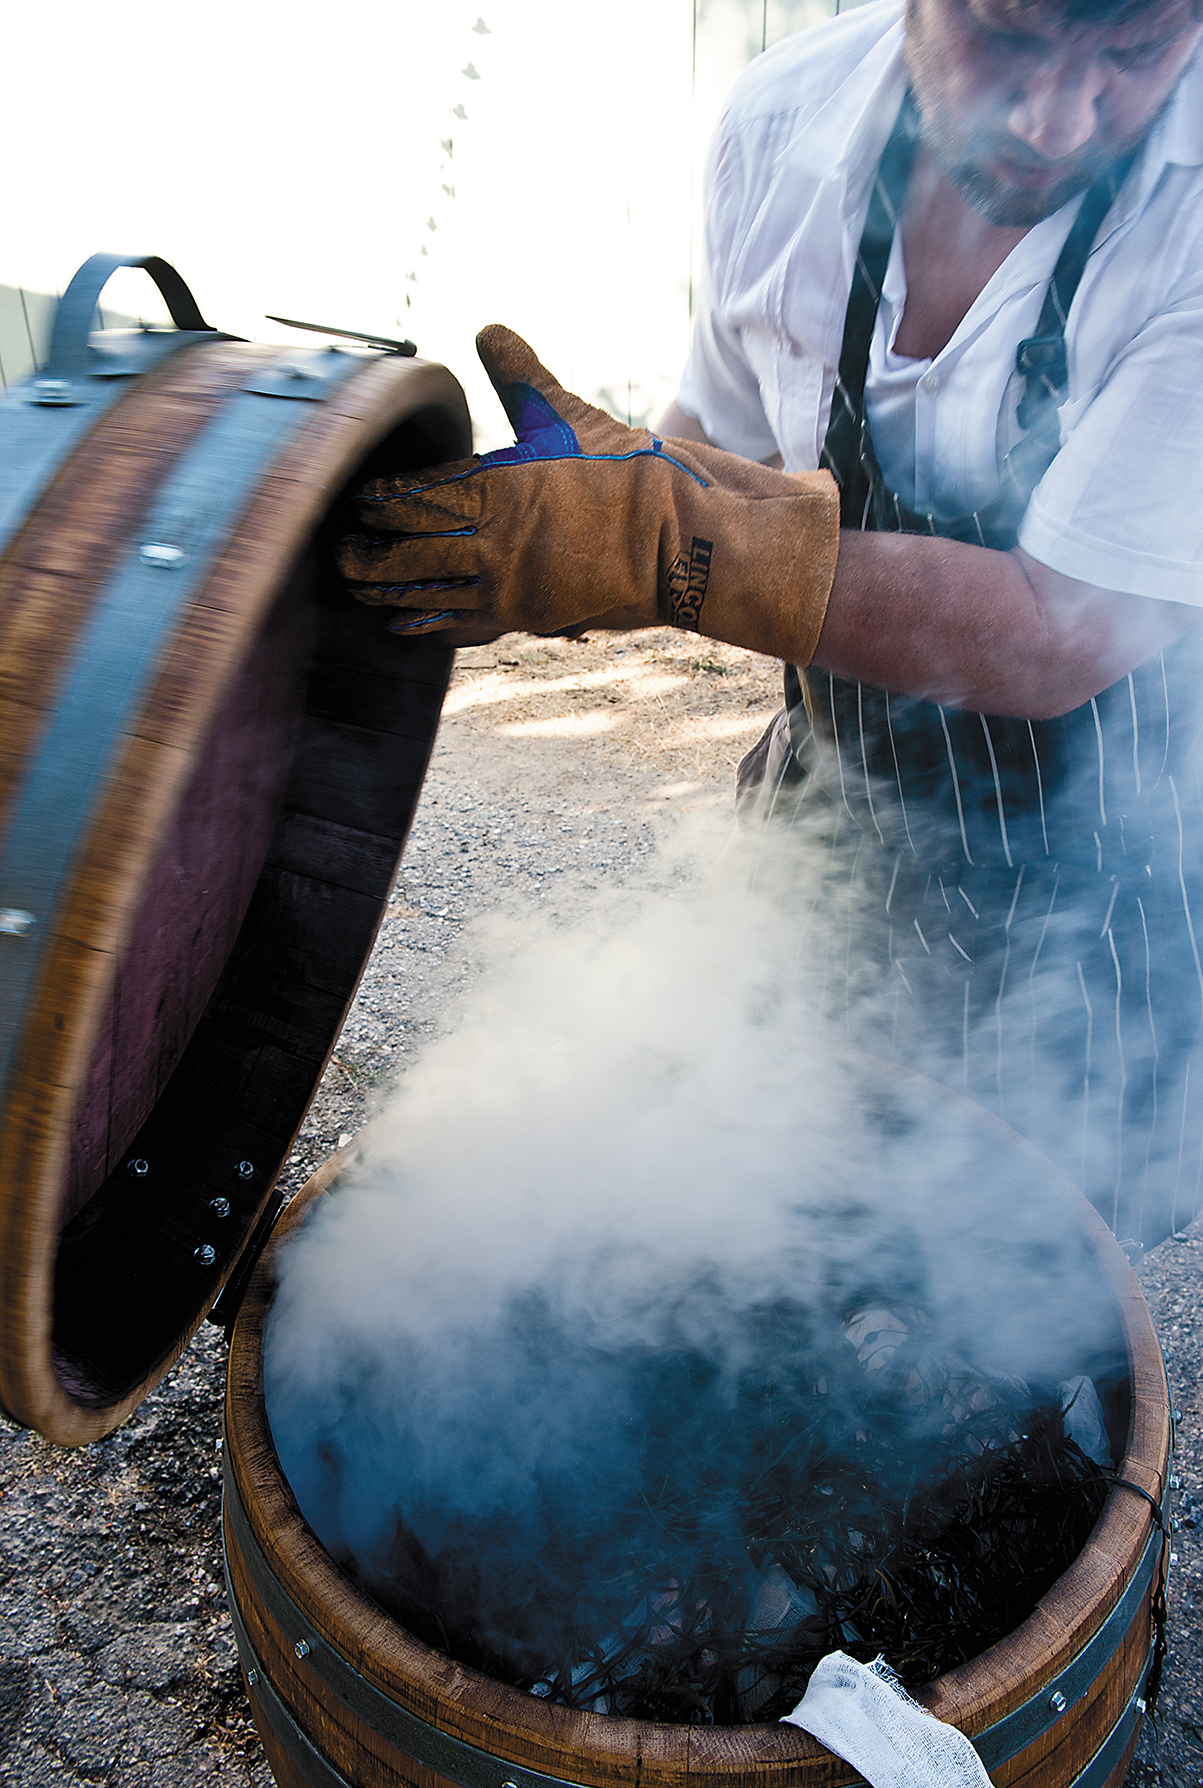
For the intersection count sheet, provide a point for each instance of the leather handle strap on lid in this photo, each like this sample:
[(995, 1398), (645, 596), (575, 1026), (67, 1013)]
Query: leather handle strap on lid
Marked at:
[(77, 307)]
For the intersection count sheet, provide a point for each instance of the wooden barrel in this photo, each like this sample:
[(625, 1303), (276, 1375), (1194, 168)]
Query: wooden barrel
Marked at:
[(342, 1694), (209, 759)]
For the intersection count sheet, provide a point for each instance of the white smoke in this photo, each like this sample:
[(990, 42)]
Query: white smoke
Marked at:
[(647, 1135)]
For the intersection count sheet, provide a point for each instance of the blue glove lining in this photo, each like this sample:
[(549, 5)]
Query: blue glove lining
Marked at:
[(542, 434)]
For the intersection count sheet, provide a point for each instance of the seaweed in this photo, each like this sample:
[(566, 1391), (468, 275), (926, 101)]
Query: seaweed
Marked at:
[(857, 1485)]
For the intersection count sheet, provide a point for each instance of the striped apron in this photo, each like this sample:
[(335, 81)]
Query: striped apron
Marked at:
[(1029, 887)]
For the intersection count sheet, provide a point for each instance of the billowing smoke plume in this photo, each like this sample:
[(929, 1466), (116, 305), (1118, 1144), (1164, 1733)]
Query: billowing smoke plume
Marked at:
[(640, 1236)]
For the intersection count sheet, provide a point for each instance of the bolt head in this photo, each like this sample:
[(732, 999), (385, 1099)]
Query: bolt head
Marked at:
[(252, 1676), (1175, 1483), (160, 554), (1057, 1702), (1141, 1704), (220, 1207), (301, 1648), (52, 391), (245, 1170), (205, 1255), (139, 1167), (15, 921), (1177, 1415)]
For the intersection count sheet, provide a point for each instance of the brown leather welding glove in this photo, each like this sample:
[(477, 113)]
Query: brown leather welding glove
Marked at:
[(584, 515)]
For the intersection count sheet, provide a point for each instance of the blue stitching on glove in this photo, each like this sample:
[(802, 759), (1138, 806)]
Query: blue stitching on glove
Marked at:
[(543, 435), (517, 454), (443, 614), (424, 583)]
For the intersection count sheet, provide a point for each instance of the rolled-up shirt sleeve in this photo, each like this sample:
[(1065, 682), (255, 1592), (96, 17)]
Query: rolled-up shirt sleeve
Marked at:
[(1121, 505), (718, 385)]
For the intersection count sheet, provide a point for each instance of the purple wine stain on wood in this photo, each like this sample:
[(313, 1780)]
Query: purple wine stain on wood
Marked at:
[(196, 894)]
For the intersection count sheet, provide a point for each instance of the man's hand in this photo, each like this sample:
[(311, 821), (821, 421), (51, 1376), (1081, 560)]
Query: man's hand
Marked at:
[(582, 516)]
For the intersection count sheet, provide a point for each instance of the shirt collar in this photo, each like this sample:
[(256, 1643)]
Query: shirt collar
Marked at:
[(1177, 139), (1179, 136)]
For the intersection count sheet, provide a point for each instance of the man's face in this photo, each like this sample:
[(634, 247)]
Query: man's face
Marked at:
[(1023, 108)]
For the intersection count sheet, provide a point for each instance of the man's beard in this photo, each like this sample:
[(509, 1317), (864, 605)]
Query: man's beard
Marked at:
[(966, 160)]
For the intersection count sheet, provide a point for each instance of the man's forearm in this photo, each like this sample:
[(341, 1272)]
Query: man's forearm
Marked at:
[(926, 616), (939, 619), (992, 631)]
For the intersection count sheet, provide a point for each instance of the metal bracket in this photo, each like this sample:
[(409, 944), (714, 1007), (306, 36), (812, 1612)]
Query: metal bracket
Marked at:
[(309, 377), (227, 1306)]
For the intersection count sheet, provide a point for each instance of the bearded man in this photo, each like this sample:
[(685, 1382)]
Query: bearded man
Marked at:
[(954, 289)]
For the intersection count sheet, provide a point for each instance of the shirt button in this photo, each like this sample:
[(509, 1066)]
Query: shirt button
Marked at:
[(930, 382)]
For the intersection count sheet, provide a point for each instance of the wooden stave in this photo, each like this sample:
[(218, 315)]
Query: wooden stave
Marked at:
[(517, 1729), (45, 566)]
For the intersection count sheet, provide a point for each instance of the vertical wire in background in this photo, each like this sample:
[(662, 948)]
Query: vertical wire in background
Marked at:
[(764, 27), (629, 265), (33, 352)]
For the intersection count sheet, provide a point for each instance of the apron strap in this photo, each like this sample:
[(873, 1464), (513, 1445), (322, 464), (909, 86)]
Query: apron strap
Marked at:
[(842, 444), (1041, 358)]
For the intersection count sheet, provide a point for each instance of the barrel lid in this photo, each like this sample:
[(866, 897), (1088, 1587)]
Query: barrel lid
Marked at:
[(202, 809)]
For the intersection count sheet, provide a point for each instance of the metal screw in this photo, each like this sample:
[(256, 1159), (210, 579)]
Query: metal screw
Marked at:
[(1057, 1702), (245, 1170), (206, 1254), (301, 1648), (220, 1207), (157, 552), (52, 391), (252, 1677), (1175, 1524), (1177, 1413), (15, 921), (139, 1167)]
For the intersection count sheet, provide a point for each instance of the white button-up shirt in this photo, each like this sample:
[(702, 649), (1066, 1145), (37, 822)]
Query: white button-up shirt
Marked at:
[(788, 186)]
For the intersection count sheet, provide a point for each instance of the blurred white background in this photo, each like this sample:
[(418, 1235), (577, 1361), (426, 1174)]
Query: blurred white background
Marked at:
[(413, 167)]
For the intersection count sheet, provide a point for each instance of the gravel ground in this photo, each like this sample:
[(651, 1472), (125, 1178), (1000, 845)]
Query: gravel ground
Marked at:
[(555, 772)]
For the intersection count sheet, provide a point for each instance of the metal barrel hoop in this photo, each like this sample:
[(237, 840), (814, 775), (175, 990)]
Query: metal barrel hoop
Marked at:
[(468, 1767)]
